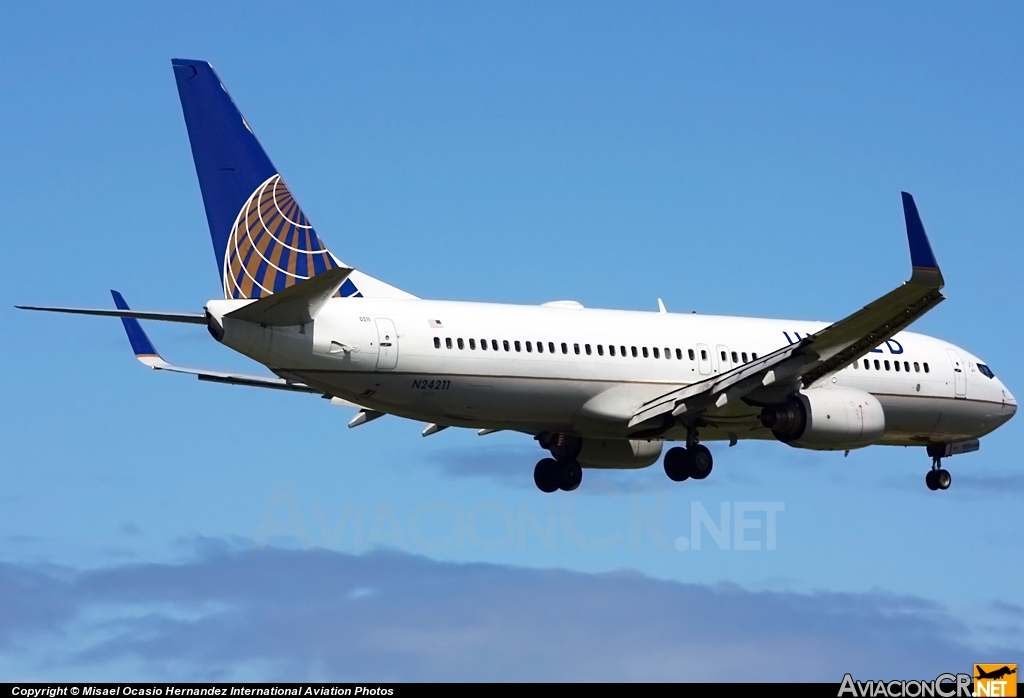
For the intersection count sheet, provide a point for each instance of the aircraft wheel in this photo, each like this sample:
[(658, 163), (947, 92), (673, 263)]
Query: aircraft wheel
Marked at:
[(677, 464), (943, 479), (571, 475), (932, 480), (545, 475), (701, 462)]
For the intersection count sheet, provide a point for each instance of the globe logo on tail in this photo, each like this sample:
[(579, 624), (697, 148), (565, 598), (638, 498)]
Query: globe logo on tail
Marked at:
[(273, 246)]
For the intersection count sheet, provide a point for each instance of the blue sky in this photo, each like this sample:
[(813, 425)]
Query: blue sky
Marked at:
[(738, 159)]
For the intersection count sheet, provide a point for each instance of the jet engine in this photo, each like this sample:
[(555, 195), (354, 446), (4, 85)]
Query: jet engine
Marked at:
[(826, 419), (619, 453)]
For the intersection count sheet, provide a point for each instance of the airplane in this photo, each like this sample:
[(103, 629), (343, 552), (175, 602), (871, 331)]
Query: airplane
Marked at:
[(595, 388), (995, 674)]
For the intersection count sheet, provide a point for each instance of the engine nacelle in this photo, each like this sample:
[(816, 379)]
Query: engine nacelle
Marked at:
[(619, 453), (827, 419)]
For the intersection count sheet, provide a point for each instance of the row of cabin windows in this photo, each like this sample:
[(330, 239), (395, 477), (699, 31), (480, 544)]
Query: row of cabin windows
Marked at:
[(895, 365), (737, 357), (587, 349)]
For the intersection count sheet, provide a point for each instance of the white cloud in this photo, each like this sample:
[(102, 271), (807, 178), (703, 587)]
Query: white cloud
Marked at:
[(282, 614)]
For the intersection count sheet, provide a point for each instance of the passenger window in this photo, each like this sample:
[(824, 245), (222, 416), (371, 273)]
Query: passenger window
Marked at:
[(437, 342), (679, 354), (448, 342), (878, 366), (529, 347), (735, 358), (576, 348), (518, 346), (586, 347), (551, 347), (724, 357), (633, 350), (753, 356), (926, 367), (703, 355), (600, 350), (917, 367), (906, 366), (483, 344), (540, 347), (668, 353), (886, 364), (689, 352), (867, 364), (611, 350), (896, 365), (565, 348), (644, 351), (744, 357), (472, 343), (622, 351), (504, 343), (655, 350)]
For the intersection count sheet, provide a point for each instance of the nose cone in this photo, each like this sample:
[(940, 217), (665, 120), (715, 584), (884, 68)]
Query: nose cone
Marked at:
[(1009, 404)]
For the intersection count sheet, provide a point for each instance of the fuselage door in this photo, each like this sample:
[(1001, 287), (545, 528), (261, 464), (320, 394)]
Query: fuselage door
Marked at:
[(959, 377), (387, 345), (703, 359)]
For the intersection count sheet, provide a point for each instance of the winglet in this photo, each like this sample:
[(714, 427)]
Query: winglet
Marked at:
[(921, 256), (143, 348)]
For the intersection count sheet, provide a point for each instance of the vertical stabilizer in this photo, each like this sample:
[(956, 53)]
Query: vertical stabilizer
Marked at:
[(262, 240)]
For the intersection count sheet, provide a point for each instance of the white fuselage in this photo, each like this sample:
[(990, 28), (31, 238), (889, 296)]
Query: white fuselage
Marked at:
[(585, 371)]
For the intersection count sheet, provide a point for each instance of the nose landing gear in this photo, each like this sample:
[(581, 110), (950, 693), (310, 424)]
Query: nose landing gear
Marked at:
[(938, 478)]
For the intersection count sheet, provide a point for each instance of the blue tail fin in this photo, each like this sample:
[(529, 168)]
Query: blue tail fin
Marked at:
[(263, 241)]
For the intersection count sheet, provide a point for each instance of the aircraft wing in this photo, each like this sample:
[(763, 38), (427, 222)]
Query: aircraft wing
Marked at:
[(816, 355)]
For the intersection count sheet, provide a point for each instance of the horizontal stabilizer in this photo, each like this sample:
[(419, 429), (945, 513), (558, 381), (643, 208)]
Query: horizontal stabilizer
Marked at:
[(148, 355), (192, 318), (295, 305)]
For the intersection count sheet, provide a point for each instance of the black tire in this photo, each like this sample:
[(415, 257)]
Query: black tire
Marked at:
[(545, 475), (943, 479), (677, 464), (701, 462), (571, 475), (932, 480)]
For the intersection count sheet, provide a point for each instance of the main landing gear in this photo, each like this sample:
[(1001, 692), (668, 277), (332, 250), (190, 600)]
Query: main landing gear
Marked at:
[(562, 471), (938, 478), (551, 475), (694, 461)]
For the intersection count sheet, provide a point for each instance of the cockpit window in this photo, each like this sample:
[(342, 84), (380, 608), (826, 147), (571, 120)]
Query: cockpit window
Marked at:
[(986, 371)]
